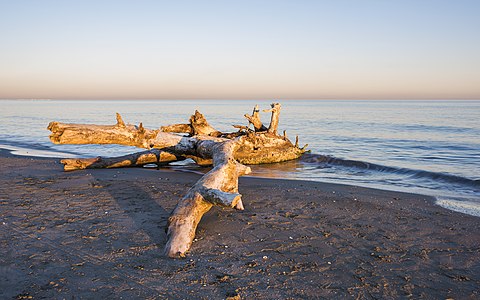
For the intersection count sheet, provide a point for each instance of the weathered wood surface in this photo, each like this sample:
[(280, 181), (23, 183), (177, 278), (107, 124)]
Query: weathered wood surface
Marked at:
[(204, 144), (153, 156), (217, 187), (120, 134)]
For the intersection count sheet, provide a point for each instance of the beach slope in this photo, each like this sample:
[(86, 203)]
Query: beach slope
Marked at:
[(101, 233)]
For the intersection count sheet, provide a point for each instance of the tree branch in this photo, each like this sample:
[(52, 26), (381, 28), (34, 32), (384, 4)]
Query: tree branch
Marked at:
[(275, 118), (155, 156)]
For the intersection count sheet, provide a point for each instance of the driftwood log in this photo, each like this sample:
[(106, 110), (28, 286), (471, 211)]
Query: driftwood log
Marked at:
[(198, 140)]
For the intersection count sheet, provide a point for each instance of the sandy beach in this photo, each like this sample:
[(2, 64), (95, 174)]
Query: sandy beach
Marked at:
[(100, 234)]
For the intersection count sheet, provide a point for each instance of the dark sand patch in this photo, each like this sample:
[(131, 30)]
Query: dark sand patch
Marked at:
[(100, 234)]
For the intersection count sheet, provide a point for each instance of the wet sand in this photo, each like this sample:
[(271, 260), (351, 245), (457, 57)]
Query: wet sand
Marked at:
[(100, 234)]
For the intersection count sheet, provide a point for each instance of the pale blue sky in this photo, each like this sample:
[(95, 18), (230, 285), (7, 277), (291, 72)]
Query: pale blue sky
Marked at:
[(240, 49)]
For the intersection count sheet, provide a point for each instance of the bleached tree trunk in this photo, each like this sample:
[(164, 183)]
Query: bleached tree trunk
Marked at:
[(227, 153), (120, 134)]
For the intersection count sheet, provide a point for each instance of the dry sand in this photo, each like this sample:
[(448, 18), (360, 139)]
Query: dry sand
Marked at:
[(100, 234)]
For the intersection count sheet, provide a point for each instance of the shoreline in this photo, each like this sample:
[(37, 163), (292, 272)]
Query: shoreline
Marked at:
[(100, 233), (456, 202)]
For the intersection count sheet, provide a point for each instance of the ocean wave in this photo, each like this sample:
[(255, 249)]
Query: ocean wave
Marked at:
[(324, 161), (460, 205)]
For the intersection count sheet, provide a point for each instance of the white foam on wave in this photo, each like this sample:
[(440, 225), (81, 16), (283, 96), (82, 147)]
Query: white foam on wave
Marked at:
[(36, 153), (462, 206)]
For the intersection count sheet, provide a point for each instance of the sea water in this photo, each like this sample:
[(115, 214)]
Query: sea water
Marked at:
[(428, 147)]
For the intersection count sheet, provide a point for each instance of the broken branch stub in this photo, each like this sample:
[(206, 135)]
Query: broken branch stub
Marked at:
[(198, 125), (205, 145), (254, 119)]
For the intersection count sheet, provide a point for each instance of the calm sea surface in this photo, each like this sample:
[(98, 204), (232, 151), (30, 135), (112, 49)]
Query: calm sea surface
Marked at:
[(428, 147)]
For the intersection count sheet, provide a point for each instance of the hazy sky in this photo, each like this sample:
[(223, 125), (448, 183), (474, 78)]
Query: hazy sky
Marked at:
[(378, 49)]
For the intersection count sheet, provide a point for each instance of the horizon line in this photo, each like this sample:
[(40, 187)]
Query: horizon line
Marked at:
[(247, 99)]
